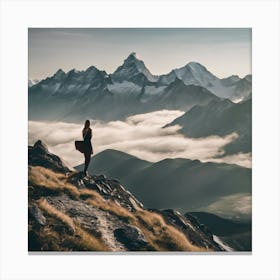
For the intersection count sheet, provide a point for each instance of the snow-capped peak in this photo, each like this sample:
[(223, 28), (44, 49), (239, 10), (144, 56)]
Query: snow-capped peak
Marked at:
[(74, 70), (195, 73), (198, 68), (132, 67), (195, 65)]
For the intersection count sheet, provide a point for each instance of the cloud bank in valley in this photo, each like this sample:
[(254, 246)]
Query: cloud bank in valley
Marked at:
[(237, 206), (139, 135)]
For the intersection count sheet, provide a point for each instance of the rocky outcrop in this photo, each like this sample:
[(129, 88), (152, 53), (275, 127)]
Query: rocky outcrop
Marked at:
[(131, 237), (35, 213), (70, 212), (39, 155)]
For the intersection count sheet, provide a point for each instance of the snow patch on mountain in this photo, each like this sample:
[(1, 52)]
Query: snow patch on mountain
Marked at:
[(196, 74), (124, 87), (32, 82), (153, 90), (222, 244), (150, 92)]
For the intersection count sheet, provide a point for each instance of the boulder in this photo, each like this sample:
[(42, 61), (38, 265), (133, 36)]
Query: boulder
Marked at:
[(35, 212), (132, 237)]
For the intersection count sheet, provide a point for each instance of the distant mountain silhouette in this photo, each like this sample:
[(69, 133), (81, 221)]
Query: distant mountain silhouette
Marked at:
[(173, 183), (220, 118), (221, 226), (116, 163)]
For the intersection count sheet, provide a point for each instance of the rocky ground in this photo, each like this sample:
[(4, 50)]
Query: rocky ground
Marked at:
[(70, 212)]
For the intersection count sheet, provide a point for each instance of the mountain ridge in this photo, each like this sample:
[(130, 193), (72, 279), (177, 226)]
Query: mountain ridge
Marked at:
[(70, 212), (187, 65), (221, 118), (236, 234), (203, 183), (97, 94)]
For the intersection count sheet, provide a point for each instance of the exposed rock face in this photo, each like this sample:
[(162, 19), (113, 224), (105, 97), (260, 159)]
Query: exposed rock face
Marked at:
[(94, 220), (70, 212), (35, 212), (108, 189), (197, 233), (38, 155), (131, 236)]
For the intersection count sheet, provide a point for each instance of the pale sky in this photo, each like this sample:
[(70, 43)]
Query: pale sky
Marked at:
[(223, 51)]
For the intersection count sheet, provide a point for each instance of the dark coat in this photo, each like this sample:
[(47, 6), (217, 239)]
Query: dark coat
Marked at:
[(87, 134)]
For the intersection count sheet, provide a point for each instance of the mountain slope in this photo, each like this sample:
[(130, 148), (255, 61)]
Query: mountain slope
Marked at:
[(194, 73), (115, 164), (191, 74), (236, 234), (220, 118), (133, 70), (220, 226), (32, 82), (70, 212), (177, 95), (65, 95), (180, 184)]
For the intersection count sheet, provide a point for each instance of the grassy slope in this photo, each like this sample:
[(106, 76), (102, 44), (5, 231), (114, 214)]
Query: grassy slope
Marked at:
[(62, 233)]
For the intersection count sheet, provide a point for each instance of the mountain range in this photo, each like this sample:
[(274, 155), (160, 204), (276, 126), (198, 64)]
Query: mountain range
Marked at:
[(131, 89), (181, 184), (68, 211)]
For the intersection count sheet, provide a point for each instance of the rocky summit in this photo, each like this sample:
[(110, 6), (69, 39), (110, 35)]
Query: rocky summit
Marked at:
[(70, 212)]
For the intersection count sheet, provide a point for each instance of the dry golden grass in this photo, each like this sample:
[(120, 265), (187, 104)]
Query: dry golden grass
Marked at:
[(87, 240), (54, 183), (160, 236), (111, 207), (46, 207)]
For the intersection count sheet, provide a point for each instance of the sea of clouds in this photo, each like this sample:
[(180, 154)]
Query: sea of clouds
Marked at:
[(140, 135)]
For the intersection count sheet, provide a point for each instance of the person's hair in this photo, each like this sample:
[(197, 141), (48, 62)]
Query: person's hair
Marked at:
[(87, 124)]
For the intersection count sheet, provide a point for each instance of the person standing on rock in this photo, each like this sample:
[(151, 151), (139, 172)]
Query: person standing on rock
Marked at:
[(87, 134), (85, 146)]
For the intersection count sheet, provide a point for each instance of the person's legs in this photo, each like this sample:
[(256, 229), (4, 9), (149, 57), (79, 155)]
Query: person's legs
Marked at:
[(87, 161)]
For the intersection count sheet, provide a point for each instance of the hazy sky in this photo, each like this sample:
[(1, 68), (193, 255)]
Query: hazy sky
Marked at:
[(223, 51)]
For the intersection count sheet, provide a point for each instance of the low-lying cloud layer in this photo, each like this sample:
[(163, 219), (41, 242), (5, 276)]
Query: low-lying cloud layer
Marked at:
[(140, 135), (237, 206)]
